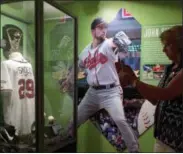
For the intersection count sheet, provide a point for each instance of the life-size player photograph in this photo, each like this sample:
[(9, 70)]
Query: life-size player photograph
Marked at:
[(114, 44), (139, 113)]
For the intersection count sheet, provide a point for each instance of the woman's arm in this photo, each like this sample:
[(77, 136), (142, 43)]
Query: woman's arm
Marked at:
[(174, 88)]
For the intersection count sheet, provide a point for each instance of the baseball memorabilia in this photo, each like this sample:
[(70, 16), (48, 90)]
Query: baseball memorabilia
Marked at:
[(18, 78), (122, 41), (98, 61), (136, 110), (51, 119), (17, 81)]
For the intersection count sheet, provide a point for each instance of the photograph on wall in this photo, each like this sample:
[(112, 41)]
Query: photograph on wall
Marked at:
[(13, 37), (153, 71), (139, 112), (125, 22)]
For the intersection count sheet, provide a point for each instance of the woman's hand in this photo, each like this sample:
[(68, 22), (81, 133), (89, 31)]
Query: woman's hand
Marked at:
[(126, 76)]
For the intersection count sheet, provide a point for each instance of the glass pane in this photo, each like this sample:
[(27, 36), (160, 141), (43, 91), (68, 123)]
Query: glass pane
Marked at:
[(58, 61), (17, 103)]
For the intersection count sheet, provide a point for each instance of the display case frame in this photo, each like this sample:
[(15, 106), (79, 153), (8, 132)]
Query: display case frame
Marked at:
[(39, 72)]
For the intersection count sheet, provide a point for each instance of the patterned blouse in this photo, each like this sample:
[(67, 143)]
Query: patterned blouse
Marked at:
[(169, 116)]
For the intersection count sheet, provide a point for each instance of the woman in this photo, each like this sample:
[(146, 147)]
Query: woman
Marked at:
[(167, 96)]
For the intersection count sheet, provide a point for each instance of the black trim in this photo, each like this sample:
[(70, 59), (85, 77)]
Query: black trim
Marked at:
[(70, 147), (11, 1), (60, 145), (39, 59), (55, 4), (75, 77), (1, 101)]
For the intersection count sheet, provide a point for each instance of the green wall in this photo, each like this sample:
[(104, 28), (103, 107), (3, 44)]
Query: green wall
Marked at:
[(148, 13)]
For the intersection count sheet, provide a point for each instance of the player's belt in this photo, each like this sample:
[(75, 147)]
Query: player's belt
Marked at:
[(104, 86)]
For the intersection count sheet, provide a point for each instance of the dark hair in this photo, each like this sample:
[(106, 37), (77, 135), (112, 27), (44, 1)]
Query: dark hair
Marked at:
[(173, 35), (97, 21)]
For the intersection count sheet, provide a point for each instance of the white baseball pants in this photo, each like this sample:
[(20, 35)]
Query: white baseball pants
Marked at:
[(111, 101)]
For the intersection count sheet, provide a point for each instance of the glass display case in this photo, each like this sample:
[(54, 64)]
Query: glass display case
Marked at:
[(58, 65), (38, 53)]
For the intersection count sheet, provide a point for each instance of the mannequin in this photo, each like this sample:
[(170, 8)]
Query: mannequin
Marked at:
[(17, 89)]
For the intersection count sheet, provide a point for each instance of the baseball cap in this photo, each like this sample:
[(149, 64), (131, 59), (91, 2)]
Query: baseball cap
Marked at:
[(98, 21)]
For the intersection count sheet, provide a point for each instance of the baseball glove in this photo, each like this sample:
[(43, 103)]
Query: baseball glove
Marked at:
[(126, 76), (121, 40)]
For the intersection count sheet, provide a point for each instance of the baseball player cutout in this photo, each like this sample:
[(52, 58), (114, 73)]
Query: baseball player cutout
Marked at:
[(17, 89), (98, 59)]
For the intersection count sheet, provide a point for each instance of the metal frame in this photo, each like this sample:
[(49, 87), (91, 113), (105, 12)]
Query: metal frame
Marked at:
[(182, 45), (55, 4), (11, 1), (75, 77), (39, 59), (39, 75)]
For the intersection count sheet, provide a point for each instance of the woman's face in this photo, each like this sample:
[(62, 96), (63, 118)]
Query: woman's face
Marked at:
[(171, 51)]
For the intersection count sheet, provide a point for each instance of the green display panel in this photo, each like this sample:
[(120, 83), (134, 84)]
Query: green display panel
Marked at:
[(153, 59), (152, 47)]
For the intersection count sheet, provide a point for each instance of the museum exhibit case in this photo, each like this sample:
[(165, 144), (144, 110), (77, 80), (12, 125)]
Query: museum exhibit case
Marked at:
[(38, 52)]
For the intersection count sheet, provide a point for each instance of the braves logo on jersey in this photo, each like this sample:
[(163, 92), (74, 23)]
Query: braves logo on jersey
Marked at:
[(98, 58)]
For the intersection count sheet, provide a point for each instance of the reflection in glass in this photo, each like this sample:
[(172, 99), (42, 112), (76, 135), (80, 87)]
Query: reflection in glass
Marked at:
[(17, 104), (58, 61)]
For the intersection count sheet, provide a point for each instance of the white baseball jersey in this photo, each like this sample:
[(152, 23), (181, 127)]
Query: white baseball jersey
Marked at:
[(100, 64), (17, 76)]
